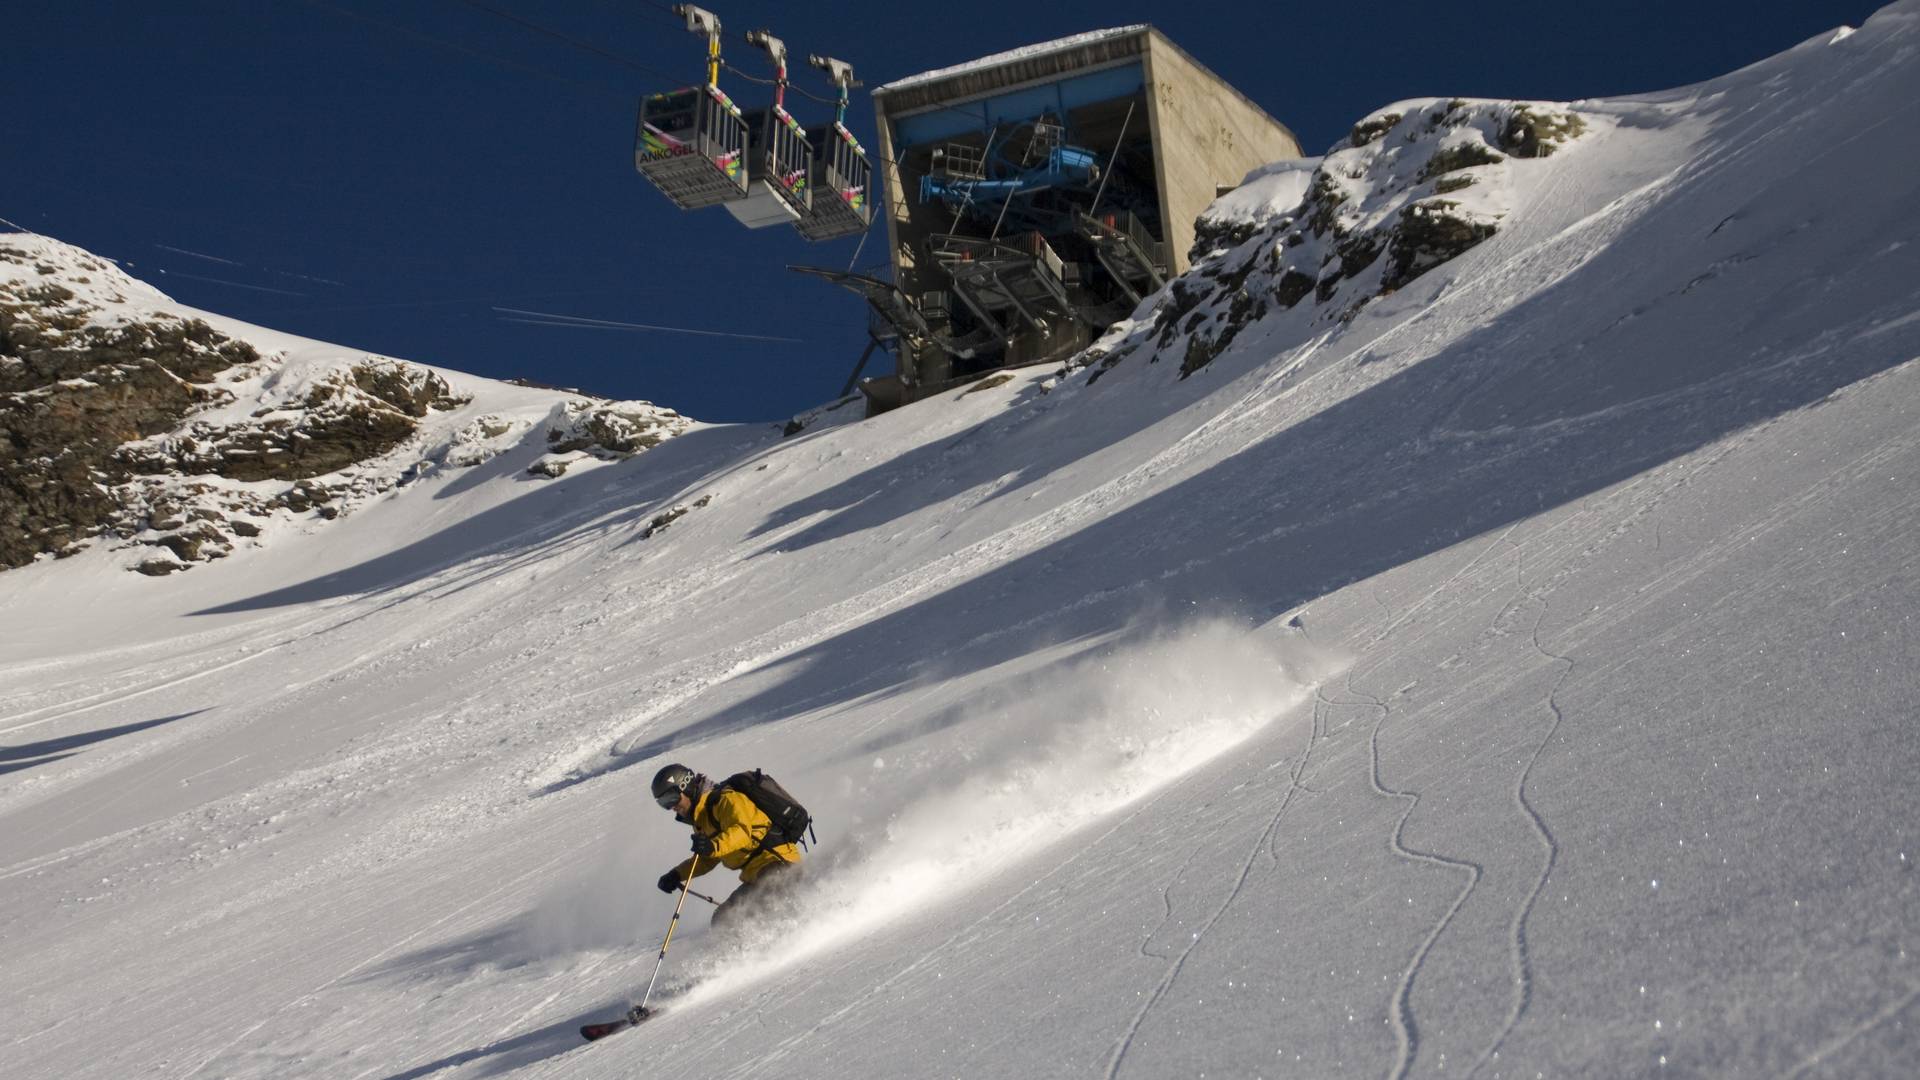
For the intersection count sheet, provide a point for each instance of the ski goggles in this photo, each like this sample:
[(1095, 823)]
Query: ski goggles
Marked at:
[(669, 799)]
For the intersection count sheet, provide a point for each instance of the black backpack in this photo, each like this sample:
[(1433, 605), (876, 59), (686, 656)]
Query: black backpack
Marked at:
[(789, 821)]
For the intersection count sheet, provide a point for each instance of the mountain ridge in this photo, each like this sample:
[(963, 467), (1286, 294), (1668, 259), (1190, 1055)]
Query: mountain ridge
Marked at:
[(132, 417)]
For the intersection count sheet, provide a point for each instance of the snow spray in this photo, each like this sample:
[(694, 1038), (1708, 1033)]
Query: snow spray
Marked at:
[(1083, 739)]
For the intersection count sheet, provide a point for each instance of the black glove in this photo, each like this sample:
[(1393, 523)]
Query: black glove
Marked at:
[(670, 882), (702, 844)]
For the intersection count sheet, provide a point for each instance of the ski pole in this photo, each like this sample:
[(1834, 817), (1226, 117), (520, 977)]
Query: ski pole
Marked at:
[(640, 1011), (705, 897)]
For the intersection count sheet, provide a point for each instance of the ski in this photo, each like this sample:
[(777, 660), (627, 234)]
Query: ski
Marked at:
[(595, 1032)]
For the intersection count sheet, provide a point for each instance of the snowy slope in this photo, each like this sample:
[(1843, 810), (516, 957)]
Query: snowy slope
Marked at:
[(1510, 678)]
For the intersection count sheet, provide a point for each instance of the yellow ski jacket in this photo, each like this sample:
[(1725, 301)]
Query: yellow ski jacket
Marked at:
[(737, 827)]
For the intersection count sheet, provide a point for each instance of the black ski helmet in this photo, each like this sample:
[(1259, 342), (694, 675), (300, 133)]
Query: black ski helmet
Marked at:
[(672, 782)]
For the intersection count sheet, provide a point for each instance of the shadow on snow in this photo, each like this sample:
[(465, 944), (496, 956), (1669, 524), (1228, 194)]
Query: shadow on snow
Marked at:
[(1710, 314), (29, 755), (523, 528)]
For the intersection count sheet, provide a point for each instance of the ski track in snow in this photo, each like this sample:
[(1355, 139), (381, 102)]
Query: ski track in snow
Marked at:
[(1401, 1013), (1841, 1041), (970, 932), (1167, 907), (166, 679), (1406, 1028), (1225, 432), (1640, 504), (578, 530), (1522, 965), (1261, 844), (911, 586), (1644, 494), (344, 975)]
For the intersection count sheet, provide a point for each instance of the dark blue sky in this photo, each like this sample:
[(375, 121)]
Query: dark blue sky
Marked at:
[(385, 175)]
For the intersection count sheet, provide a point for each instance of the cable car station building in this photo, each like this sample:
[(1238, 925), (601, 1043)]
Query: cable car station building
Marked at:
[(1034, 197)]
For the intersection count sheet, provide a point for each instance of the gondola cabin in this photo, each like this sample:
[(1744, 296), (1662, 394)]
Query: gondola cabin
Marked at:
[(842, 185), (692, 144), (779, 171)]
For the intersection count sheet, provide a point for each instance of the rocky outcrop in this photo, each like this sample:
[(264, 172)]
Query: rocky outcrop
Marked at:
[(1411, 188), (840, 410), (1429, 233), (130, 423), (672, 514), (604, 430), (1237, 216), (1532, 130), (350, 415), (71, 394), (480, 440), (613, 427), (107, 419)]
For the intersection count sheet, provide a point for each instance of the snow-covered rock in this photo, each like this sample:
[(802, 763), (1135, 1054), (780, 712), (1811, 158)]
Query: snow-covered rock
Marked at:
[(617, 428), (1413, 186), (128, 416)]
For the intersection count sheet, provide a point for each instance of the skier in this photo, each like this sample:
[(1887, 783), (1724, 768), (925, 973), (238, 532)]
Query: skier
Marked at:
[(729, 830), (746, 822)]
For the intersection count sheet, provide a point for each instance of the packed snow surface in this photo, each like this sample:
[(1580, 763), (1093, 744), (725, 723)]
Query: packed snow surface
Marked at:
[(1515, 678)]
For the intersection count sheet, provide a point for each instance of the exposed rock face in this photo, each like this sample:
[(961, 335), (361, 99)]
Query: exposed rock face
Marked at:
[(125, 420), (1216, 234), (554, 466), (97, 410), (672, 514), (1411, 188), (1373, 127), (350, 415), (1000, 378), (1430, 233), (1235, 218), (607, 430), (71, 393), (1531, 130), (613, 427), (410, 388)]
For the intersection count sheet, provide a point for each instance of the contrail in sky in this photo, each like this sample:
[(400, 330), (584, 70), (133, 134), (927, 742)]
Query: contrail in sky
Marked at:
[(309, 277), (235, 262), (578, 322), (197, 255), (235, 284)]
